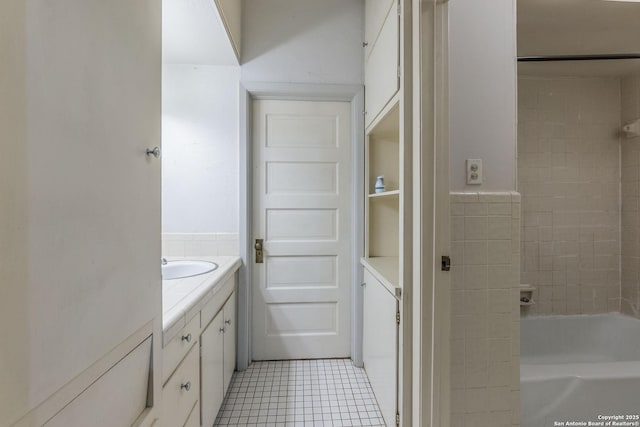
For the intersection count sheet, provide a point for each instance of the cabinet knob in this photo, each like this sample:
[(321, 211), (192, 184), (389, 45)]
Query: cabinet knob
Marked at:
[(186, 386), (227, 322), (155, 152), (186, 338), (222, 330)]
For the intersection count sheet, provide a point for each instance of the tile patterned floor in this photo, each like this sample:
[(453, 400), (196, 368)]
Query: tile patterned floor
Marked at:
[(300, 393)]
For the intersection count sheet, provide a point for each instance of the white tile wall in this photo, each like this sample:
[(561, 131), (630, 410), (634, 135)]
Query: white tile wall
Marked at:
[(201, 244), (569, 178), (630, 289), (485, 323)]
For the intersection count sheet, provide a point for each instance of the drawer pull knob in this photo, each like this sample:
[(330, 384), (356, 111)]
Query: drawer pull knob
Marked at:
[(155, 152), (186, 338), (222, 330), (186, 386), (227, 322)]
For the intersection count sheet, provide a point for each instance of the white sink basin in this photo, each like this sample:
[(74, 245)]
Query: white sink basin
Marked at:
[(181, 269)]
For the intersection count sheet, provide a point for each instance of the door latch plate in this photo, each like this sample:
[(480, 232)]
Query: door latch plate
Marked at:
[(446, 263), (259, 251)]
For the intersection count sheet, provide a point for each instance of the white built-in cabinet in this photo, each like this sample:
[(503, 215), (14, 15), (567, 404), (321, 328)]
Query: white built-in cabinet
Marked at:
[(380, 344), (194, 418), (230, 343), (80, 311), (180, 392), (212, 366), (387, 260), (382, 59), (124, 407), (218, 359), (199, 361)]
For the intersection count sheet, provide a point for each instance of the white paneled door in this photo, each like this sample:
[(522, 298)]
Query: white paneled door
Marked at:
[(302, 211)]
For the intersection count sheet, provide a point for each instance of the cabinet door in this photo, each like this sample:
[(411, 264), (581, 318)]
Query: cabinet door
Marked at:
[(376, 12), (124, 387), (229, 340), (82, 271), (211, 369), (380, 345), (194, 417), (180, 393), (381, 67)]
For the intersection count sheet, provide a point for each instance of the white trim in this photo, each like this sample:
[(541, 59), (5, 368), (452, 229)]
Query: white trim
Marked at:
[(442, 233), (357, 238), (243, 350), (299, 92), (431, 221), (407, 237), (304, 92)]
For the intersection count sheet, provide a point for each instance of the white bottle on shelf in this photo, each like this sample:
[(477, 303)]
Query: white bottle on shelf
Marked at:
[(380, 184)]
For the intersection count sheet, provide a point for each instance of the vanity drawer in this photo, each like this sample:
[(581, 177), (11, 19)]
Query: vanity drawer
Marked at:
[(180, 393), (215, 304), (176, 349)]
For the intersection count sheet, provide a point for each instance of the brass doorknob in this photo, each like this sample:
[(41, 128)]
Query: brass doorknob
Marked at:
[(259, 251)]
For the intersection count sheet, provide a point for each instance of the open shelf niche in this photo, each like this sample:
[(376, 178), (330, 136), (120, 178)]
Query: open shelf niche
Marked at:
[(383, 211)]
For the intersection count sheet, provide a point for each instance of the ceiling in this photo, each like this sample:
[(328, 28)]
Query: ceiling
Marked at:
[(193, 33), (566, 27)]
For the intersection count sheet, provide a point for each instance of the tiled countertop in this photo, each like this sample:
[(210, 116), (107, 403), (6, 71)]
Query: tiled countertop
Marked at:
[(182, 299)]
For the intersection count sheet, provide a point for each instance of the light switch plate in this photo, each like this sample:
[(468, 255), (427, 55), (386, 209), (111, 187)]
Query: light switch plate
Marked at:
[(474, 171)]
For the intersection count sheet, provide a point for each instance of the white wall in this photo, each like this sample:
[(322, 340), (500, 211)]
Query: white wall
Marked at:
[(193, 33), (303, 41), (200, 149), (482, 84)]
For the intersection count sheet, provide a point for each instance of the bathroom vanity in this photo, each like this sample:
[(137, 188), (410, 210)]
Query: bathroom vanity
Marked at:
[(199, 343)]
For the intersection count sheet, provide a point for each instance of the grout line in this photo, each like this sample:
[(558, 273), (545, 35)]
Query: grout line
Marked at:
[(328, 392)]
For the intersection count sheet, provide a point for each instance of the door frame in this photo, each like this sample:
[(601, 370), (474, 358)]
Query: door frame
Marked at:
[(248, 92), (431, 285)]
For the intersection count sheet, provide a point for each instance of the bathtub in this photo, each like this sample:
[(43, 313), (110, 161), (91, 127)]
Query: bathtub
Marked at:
[(579, 368)]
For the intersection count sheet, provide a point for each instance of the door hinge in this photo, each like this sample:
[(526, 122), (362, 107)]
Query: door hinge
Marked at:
[(446, 263), (397, 418), (399, 8), (398, 317)]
